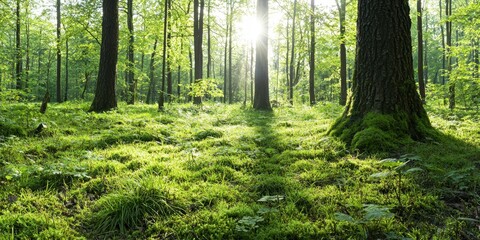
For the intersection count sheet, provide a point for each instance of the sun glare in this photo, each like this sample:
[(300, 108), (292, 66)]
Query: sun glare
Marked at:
[(250, 29)]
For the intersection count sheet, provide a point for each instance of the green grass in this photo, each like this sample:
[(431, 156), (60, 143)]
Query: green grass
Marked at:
[(226, 172)]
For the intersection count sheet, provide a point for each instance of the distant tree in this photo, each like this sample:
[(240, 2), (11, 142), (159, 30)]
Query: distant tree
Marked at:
[(59, 54), (342, 5), (384, 110), (161, 99), (311, 86), (105, 98), (131, 83), (292, 59), (262, 99), (18, 48), (420, 74)]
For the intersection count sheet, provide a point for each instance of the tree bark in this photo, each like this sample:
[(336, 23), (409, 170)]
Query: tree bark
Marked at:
[(292, 58), (421, 82), (385, 111), (152, 86), (451, 84), (161, 99), (18, 49), (105, 98), (343, 53), (131, 84), (198, 6), (311, 85), (59, 55), (230, 43), (262, 95), (66, 70)]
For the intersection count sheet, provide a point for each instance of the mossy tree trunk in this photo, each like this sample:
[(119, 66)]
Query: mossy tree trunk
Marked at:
[(385, 110), (105, 98)]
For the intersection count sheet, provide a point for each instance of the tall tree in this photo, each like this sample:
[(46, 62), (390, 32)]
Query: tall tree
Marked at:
[(161, 99), (292, 59), (105, 98), (131, 84), (421, 82), (311, 81), (262, 96), (59, 54), (198, 6), (230, 48), (151, 75), (342, 11), (448, 28), (384, 110), (18, 49)]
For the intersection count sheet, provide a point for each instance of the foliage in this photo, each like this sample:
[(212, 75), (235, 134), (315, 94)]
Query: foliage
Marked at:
[(226, 172)]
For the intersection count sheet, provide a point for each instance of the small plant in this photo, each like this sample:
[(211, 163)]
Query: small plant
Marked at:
[(207, 87)]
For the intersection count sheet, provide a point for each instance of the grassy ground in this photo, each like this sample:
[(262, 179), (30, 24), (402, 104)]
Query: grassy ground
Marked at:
[(223, 172)]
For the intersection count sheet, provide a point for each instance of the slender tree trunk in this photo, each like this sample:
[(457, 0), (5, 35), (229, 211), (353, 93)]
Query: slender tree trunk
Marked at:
[(161, 99), (292, 59), (131, 84), (169, 64), (152, 86), (262, 95), (209, 40), (225, 58), (105, 98), (87, 80), (451, 84), (27, 52), (59, 55), (198, 41), (444, 60), (311, 86), (190, 58), (66, 69), (230, 41), (18, 49), (421, 83), (251, 73), (343, 53), (426, 71)]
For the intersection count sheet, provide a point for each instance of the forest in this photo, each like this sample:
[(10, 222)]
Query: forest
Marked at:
[(239, 119)]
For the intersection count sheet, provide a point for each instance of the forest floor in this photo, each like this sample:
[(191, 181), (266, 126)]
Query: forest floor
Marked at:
[(225, 172)]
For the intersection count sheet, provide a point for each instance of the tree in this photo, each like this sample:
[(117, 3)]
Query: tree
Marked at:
[(262, 99), (198, 6), (18, 49), (131, 83), (448, 28), (421, 82), (292, 59), (311, 87), (59, 55), (161, 99), (343, 52), (105, 98), (384, 110)]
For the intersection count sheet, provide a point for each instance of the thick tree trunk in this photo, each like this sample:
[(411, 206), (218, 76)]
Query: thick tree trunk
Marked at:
[(198, 6), (59, 55), (421, 82), (262, 95), (385, 110), (131, 84), (105, 98)]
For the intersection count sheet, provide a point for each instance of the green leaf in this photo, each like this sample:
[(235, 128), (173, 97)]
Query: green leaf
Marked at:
[(468, 219), (413, 170), (274, 198), (342, 217), (376, 212), (381, 174)]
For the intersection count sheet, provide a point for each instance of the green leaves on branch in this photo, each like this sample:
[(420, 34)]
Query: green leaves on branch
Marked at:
[(207, 87)]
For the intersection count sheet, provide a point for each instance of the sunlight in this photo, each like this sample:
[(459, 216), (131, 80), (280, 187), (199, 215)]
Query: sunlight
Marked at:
[(250, 29)]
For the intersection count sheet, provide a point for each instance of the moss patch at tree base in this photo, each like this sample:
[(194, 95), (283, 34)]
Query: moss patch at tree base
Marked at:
[(377, 133)]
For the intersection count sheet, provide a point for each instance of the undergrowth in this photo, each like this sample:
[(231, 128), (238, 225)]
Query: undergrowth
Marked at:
[(226, 172)]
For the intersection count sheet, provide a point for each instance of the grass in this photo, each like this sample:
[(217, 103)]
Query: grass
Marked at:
[(226, 172)]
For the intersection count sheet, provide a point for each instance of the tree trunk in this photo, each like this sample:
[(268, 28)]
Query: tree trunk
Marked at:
[(225, 58), (18, 49), (421, 82), (444, 60), (59, 55), (105, 98), (152, 86), (169, 64), (131, 84), (66, 69), (27, 50), (209, 40), (311, 85), (451, 84), (292, 58), (262, 98), (343, 54), (161, 99), (385, 111), (198, 6), (230, 40)]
